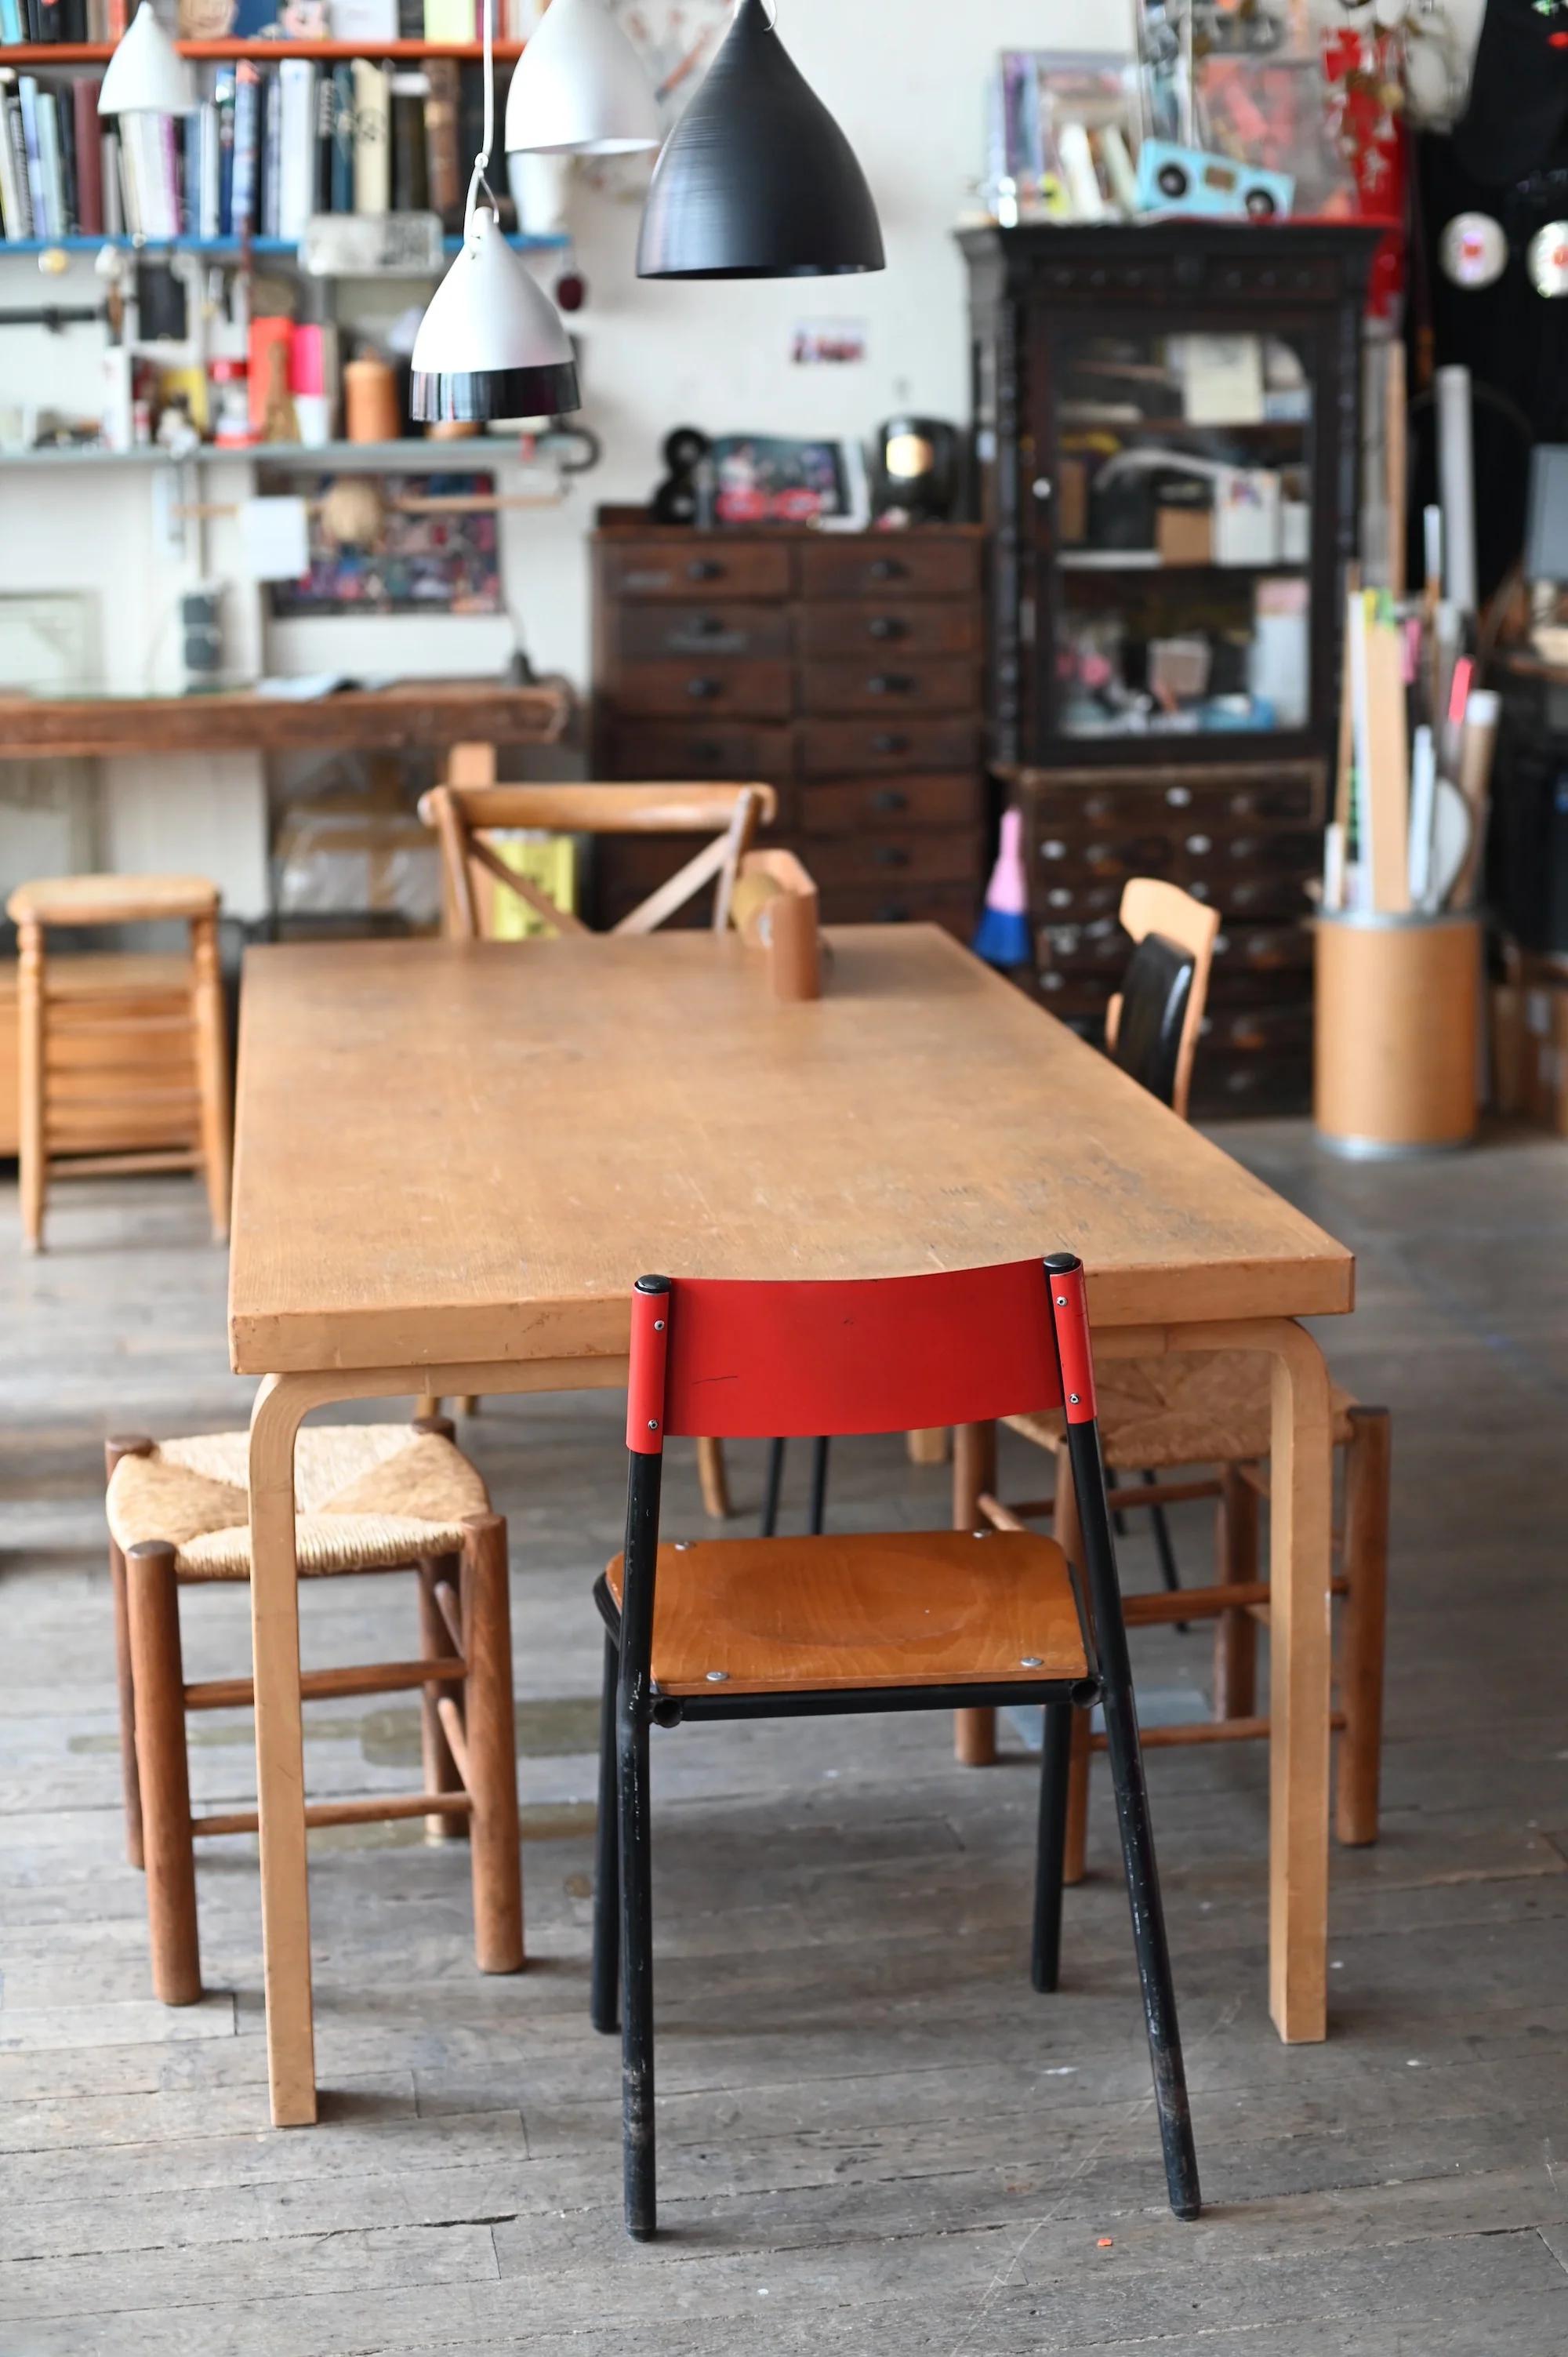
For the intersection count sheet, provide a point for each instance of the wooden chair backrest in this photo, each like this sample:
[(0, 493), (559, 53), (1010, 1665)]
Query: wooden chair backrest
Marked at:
[(464, 811), (1158, 914)]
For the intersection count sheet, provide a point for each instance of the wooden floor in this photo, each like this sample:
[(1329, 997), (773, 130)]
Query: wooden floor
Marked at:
[(873, 2137)]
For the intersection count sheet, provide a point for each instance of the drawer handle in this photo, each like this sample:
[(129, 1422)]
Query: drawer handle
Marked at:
[(702, 691), (891, 682), (889, 799), (888, 626), (889, 855), (886, 568), (704, 569), (887, 740)]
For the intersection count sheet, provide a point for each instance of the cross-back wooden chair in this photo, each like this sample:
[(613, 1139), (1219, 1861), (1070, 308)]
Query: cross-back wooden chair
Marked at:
[(910, 1621), (464, 814), (1208, 1409)]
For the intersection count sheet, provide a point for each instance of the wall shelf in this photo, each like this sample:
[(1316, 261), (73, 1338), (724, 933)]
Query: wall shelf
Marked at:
[(466, 457), (98, 53), (224, 248)]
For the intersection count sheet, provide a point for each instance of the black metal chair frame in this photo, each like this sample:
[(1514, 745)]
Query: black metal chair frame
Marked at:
[(632, 1704)]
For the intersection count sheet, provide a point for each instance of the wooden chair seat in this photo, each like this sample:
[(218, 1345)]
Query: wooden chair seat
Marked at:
[(112, 899), (903, 1609), (371, 1497), (1196, 1408)]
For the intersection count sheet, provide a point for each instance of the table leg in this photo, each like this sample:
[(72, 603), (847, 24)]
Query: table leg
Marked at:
[(280, 1752), (973, 1470), (1299, 1669)]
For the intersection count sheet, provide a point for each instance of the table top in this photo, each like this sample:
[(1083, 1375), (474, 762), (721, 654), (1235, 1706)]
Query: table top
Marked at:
[(408, 715), (451, 1152)]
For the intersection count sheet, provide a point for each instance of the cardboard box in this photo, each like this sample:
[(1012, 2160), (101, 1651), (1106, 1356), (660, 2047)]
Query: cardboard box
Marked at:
[(1530, 1040), (1184, 535)]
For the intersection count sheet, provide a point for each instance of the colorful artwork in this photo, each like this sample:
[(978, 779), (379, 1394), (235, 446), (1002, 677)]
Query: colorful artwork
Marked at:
[(419, 563), (765, 479)]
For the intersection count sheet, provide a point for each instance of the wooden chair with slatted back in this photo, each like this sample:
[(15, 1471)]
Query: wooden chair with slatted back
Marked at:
[(1210, 1409), (466, 816), (741, 1628), (469, 808)]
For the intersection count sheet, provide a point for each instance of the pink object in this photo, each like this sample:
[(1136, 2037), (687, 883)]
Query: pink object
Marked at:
[(308, 361), (1459, 690), (1007, 892)]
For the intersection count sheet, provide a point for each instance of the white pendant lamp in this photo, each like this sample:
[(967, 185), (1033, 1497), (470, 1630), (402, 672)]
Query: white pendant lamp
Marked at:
[(146, 74), (579, 88), (491, 343)]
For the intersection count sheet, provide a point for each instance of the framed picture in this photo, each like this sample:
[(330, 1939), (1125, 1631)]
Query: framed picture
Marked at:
[(771, 478)]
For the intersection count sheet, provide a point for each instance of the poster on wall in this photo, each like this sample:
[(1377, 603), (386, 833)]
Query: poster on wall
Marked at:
[(400, 559)]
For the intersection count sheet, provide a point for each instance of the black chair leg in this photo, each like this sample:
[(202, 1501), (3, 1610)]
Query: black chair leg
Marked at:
[(1153, 1953), (1163, 1549), (819, 1486), (636, 1980), (770, 1495), (604, 2001), (1050, 1856)]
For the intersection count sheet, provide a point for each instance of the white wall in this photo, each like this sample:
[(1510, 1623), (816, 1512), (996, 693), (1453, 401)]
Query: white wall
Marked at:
[(906, 78)]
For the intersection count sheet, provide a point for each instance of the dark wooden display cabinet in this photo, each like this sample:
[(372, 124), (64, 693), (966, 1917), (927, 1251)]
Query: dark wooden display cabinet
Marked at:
[(845, 669), (1167, 445)]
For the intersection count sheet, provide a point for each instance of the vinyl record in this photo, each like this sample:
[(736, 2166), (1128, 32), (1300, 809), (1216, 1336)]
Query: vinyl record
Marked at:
[(1473, 250), (1547, 259)]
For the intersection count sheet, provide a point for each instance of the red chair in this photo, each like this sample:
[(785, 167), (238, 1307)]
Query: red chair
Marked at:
[(796, 1628)]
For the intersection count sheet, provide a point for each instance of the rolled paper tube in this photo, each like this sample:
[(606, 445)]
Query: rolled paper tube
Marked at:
[(1457, 477)]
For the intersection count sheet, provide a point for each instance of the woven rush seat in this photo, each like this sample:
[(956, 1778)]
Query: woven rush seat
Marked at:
[(1188, 1408), (371, 1497)]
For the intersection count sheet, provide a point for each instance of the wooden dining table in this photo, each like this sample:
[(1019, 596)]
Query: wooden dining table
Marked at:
[(453, 1161)]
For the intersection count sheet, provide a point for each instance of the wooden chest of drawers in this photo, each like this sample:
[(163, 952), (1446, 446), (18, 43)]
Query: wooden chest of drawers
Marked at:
[(1245, 838), (843, 669)]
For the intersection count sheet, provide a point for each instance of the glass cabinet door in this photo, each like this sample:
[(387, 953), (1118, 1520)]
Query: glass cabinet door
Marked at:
[(1174, 520)]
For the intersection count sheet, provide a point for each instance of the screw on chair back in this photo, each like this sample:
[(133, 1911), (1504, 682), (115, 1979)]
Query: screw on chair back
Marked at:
[(466, 816), (1153, 1022)]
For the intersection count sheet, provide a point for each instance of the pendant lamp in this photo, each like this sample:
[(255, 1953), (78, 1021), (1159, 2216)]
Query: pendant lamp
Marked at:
[(579, 88), (491, 343), (146, 74), (756, 180)]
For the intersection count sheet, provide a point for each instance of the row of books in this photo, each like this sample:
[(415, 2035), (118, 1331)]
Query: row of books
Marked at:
[(445, 23), (268, 145)]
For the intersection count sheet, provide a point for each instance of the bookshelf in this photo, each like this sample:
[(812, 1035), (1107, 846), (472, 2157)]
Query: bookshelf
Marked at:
[(230, 249), (475, 453)]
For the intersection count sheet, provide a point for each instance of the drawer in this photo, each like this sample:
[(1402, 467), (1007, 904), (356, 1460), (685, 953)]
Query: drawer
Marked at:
[(882, 802), (643, 633), (703, 569), (723, 750), (1212, 802), (850, 748), (950, 857), (885, 627), (952, 906), (912, 568), (762, 690), (1245, 1082), (895, 684), (1255, 1030)]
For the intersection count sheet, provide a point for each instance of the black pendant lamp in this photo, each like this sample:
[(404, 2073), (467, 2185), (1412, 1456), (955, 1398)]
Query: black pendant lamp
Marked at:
[(756, 180)]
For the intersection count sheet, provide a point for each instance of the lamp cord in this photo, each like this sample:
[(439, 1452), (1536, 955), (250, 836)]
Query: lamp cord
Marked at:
[(477, 180)]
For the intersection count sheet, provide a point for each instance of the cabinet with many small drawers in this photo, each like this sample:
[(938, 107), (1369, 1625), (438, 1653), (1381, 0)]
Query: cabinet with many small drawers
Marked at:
[(843, 669), (1243, 838)]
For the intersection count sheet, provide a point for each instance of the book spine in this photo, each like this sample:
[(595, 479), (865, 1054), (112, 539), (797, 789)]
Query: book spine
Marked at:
[(89, 155), (50, 162), (410, 173), (441, 172), (27, 94), (342, 189), (247, 79), (113, 188), (65, 138), (223, 106), (212, 170), (271, 211), (49, 21), (11, 22), (14, 171), (118, 20), (297, 142), (325, 122), (372, 138)]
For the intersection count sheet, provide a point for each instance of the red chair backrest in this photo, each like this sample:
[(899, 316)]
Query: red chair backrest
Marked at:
[(734, 1360)]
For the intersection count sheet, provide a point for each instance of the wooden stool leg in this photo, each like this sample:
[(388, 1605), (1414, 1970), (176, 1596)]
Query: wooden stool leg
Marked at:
[(930, 1446), (973, 1470), (130, 1782), (1235, 1634), (1069, 1537), (712, 1475), (30, 1083), (1366, 1565), (442, 1773), (212, 1070), (159, 1676), (489, 1730)]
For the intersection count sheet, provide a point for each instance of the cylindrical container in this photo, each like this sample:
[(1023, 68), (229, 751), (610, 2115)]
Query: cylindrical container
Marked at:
[(370, 402), (1394, 1038)]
